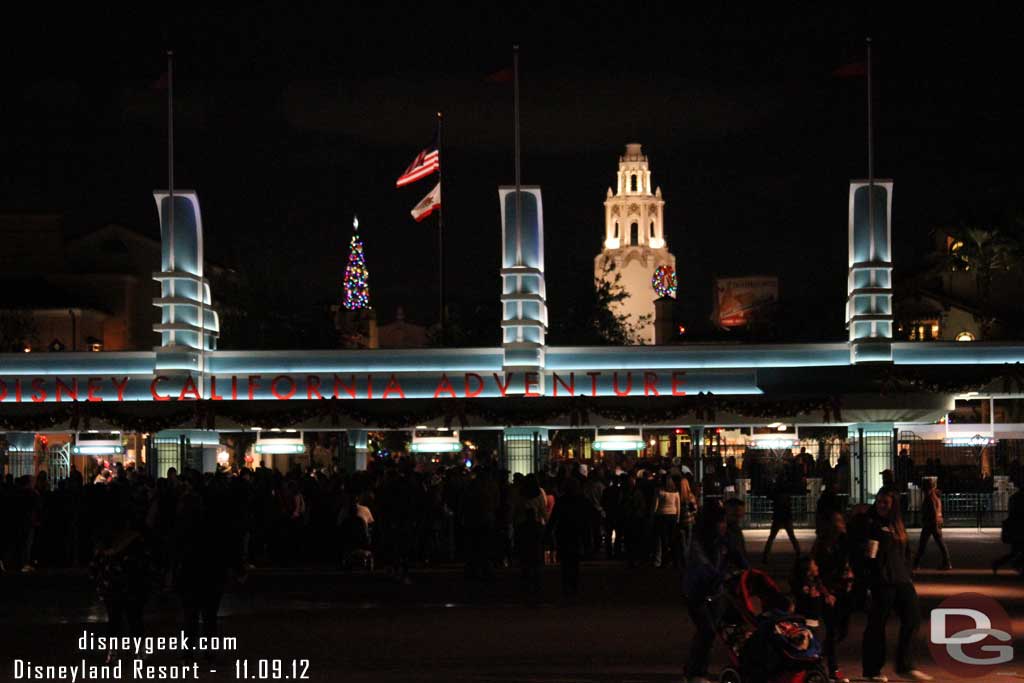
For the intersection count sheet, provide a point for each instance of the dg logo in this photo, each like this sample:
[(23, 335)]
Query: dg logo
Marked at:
[(971, 635)]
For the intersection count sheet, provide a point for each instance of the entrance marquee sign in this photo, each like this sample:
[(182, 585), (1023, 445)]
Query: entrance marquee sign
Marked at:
[(373, 386)]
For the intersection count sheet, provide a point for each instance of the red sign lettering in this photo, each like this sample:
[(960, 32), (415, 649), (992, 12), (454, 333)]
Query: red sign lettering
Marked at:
[(93, 385), (119, 386), (38, 392), (394, 387), (152, 388), (503, 388), (471, 393), (287, 394), (312, 387), (189, 388), (530, 380), (254, 381), (349, 388), (615, 384), (71, 391), (444, 385), (570, 387), (677, 381), (650, 383)]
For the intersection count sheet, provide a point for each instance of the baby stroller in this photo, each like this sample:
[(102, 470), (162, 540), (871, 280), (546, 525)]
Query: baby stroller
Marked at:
[(766, 642)]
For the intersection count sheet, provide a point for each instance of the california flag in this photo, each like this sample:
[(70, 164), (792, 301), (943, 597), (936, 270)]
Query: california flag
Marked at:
[(427, 205)]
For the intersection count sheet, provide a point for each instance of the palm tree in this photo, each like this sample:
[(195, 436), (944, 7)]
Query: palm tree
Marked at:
[(983, 251)]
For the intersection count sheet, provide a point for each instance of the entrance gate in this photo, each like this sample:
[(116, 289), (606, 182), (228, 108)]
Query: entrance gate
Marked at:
[(58, 462)]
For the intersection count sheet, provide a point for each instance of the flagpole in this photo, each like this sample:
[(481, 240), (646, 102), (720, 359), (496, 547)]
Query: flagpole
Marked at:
[(170, 156), (440, 231), (871, 156), (515, 117)]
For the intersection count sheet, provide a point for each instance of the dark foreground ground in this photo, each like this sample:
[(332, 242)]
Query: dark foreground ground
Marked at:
[(627, 625)]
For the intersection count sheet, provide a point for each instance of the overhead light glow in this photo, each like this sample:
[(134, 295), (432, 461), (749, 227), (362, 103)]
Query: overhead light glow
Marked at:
[(619, 442), (97, 450), (976, 440), (772, 442), (271, 447), (435, 444), (279, 444)]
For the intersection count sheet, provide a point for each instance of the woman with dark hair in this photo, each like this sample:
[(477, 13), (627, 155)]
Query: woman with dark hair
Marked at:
[(886, 565), (831, 554), (530, 517)]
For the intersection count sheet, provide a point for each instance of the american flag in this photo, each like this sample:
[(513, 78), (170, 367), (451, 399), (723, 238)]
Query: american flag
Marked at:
[(426, 162)]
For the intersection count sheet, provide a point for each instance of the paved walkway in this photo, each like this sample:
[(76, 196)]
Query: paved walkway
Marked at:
[(625, 626)]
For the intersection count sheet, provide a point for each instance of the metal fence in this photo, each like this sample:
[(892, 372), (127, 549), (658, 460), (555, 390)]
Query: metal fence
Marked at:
[(759, 512), (958, 510)]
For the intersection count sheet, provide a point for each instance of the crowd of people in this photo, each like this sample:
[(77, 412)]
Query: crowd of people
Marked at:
[(189, 531), (860, 560)]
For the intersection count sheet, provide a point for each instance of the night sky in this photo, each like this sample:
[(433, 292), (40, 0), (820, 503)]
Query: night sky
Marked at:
[(289, 121)]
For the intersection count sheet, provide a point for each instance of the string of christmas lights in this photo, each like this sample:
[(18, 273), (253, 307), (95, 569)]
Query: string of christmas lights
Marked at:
[(357, 277)]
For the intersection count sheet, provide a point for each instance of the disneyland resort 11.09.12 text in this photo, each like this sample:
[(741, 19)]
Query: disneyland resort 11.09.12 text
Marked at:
[(135, 669)]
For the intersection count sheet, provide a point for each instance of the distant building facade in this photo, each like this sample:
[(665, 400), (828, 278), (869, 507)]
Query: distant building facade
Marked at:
[(90, 292)]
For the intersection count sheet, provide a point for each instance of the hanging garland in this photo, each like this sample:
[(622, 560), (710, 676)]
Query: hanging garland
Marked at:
[(951, 379), (453, 413)]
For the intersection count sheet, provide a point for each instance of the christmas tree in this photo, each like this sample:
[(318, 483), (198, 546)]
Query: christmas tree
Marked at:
[(357, 277)]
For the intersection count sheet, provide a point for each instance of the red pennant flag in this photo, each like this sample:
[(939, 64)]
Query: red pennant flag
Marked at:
[(852, 70)]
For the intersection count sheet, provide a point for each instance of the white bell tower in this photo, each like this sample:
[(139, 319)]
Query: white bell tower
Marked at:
[(634, 241)]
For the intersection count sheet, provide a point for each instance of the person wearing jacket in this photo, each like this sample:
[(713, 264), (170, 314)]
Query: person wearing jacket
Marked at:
[(886, 566), (1013, 533), (782, 514), (570, 524), (931, 525), (831, 554), (121, 570), (530, 516), (688, 506), (707, 563)]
